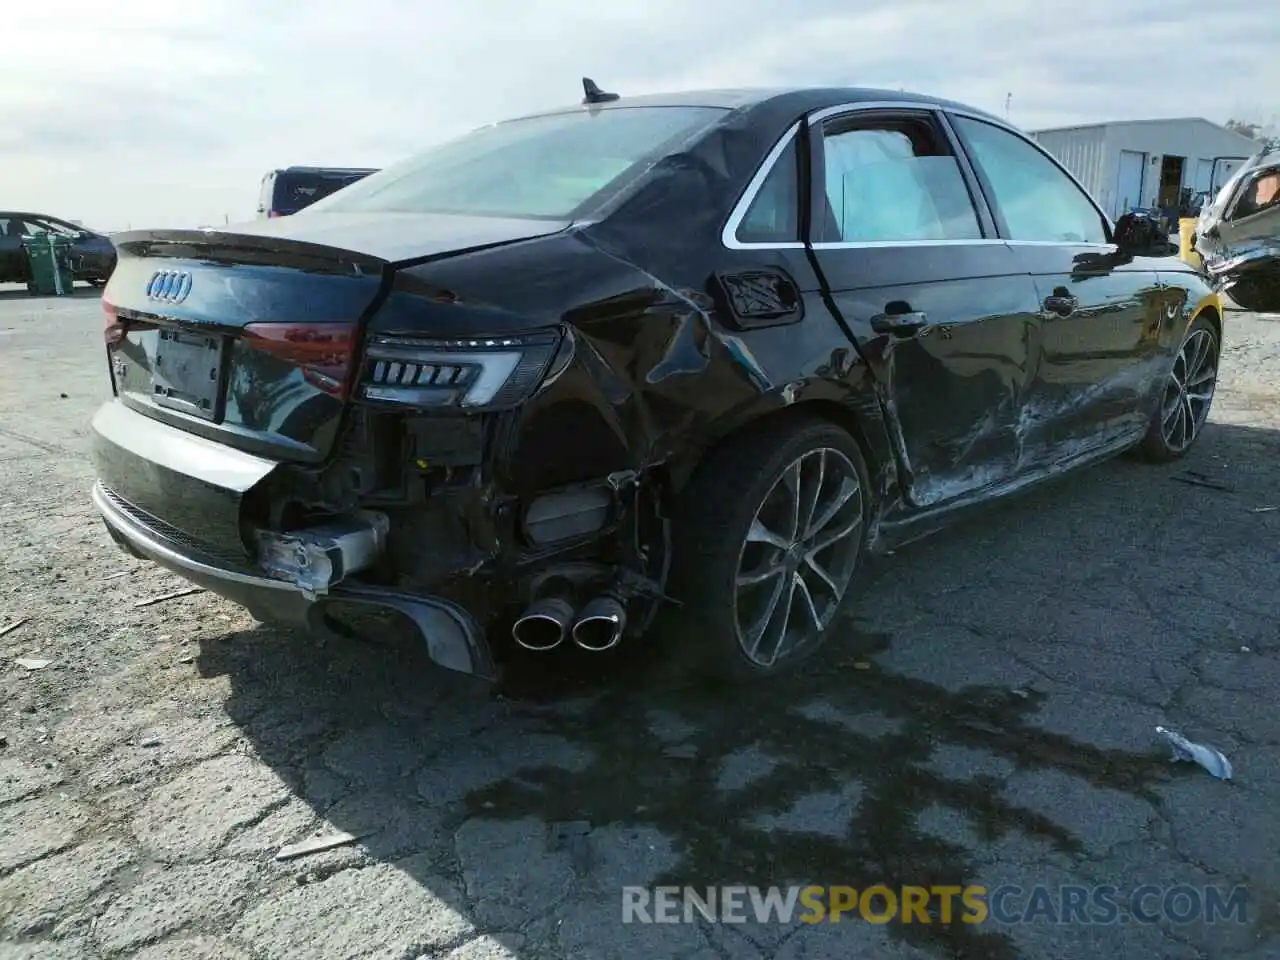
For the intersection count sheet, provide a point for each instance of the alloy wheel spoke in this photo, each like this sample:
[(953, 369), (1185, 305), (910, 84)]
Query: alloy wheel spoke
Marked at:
[(1206, 374), (848, 490), (1189, 421), (758, 630), (810, 607), (1200, 396), (823, 575), (814, 497), (830, 539), (761, 575), (791, 480), (759, 533)]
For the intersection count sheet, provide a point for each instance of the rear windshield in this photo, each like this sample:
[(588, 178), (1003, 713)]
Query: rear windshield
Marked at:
[(551, 167), (296, 190)]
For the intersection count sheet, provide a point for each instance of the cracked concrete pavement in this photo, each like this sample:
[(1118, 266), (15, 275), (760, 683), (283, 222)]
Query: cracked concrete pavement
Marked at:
[(987, 717)]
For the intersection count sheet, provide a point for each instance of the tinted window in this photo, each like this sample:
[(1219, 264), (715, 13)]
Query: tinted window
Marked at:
[(774, 215), (895, 183), (546, 167), (293, 191), (1038, 201), (1260, 195)]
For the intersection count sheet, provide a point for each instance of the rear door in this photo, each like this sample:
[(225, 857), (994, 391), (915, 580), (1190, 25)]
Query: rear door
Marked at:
[(936, 303), (1101, 311)]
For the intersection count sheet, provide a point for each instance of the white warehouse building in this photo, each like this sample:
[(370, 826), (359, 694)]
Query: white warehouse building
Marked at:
[(1132, 164)]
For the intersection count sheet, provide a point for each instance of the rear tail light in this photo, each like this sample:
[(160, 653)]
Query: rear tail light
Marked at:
[(112, 328), (485, 373), (323, 351)]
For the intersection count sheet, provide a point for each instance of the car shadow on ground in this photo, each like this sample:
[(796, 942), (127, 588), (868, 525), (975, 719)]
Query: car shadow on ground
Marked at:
[(583, 773)]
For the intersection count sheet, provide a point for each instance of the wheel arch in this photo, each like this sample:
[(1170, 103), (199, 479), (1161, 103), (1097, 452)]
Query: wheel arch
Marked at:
[(857, 413)]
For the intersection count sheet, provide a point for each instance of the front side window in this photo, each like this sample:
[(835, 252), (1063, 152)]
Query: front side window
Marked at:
[(1038, 201), (548, 167), (894, 181)]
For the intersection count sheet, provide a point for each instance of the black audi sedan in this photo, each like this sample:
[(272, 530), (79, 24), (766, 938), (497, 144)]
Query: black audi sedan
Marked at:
[(92, 255), (679, 360)]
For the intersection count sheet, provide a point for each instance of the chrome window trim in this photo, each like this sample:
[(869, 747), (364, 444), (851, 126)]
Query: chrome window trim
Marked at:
[(728, 236)]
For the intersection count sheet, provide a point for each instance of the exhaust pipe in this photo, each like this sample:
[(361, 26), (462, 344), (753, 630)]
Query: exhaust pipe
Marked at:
[(600, 625), (544, 624)]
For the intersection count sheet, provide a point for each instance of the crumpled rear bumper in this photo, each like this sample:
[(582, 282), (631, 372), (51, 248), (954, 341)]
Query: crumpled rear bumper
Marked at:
[(453, 638)]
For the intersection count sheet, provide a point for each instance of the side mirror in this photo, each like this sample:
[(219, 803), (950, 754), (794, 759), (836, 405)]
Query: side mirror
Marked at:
[(1139, 235)]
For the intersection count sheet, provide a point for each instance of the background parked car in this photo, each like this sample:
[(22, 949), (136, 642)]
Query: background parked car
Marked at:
[(289, 190), (93, 258)]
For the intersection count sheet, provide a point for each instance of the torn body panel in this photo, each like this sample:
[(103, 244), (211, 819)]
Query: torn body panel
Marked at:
[(1238, 235)]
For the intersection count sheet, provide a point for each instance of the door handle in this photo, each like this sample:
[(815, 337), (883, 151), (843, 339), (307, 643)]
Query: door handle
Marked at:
[(1061, 302), (907, 323)]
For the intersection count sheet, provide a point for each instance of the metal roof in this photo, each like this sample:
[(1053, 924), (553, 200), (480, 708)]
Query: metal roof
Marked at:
[(1129, 123)]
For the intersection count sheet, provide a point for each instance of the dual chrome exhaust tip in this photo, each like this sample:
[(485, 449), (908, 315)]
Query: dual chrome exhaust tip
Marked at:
[(548, 622)]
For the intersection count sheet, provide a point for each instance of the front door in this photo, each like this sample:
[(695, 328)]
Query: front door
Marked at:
[(1101, 311), (936, 304)]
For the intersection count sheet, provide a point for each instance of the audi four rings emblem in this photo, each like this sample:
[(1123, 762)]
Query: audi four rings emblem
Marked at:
[(169, 286)]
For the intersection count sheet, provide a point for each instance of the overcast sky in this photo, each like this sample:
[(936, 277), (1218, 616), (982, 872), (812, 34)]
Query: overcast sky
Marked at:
[(168, 112)]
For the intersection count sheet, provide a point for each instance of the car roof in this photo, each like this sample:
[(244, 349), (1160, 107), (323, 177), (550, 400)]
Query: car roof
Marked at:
[(797, 99), (326, 170)]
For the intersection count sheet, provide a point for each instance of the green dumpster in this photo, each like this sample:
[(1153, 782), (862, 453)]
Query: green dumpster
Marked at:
[(49, 259)]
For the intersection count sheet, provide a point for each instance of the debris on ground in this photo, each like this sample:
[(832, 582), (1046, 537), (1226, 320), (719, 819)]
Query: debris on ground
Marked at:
[(316, 845), (1265, 509), (682, 751), (169, 596), (14, 626), (32, 663), (150, 742), (117, 575), (1211, 758), (1197, 479)]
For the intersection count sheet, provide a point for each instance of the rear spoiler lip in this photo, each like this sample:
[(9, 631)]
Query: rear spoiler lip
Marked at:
[(230, 247)]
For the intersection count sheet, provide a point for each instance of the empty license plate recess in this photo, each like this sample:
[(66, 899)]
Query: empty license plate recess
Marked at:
[(188, 372)]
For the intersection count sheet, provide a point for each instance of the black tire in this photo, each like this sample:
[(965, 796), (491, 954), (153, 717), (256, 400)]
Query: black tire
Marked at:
[(1163, 442), (713, 519)]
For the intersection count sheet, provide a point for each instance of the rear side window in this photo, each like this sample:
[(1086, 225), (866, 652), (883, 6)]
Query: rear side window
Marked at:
[(550, 167), (893, 180), (774, 214), (1038, 201)]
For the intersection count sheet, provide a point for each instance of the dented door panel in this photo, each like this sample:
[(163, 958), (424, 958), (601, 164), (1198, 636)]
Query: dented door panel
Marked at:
[(1099, 334), (952, 392)]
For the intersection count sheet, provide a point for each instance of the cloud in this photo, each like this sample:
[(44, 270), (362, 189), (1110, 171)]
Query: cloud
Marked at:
[(157, 112)]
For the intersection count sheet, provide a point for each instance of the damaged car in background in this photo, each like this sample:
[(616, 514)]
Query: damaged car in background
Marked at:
[(679, 360), (1238, 235)]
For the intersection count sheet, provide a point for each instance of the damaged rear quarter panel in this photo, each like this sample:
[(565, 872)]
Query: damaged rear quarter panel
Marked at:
[(656, 374)]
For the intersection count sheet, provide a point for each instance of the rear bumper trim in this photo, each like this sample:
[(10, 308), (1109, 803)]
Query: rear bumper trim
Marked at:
[(452, 637)]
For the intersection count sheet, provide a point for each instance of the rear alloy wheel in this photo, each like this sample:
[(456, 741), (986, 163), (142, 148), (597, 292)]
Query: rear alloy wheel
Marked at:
[(1187, 396), (774, 529)]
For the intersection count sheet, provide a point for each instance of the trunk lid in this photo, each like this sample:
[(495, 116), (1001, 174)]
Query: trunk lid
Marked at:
[(250, 335)]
